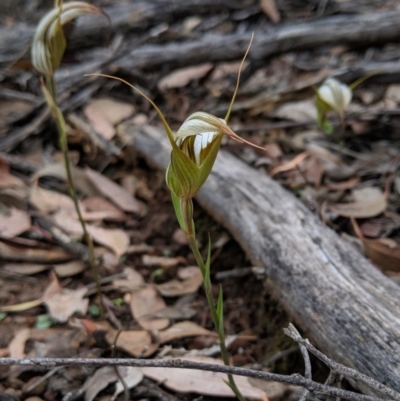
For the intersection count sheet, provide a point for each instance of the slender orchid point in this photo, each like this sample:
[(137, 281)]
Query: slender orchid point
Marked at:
[(228, 114)]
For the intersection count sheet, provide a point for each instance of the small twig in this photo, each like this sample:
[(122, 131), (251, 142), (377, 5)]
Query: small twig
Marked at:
[(341, 369), (295, 379), (75, 248), (307, 363), (98, 141), (279, 355), (43, 378), (121, 379)]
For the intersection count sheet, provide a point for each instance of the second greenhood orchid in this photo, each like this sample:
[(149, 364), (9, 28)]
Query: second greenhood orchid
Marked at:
[(49, 42)]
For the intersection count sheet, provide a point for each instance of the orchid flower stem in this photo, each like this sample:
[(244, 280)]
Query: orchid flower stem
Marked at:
[(51, 87), (187, 212)]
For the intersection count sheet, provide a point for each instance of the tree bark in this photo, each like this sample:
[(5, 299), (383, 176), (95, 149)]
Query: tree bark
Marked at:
[(343, 303), (358, 30), (135, 16)]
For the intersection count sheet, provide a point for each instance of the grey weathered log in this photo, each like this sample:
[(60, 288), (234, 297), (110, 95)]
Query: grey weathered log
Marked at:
[(134, 16), (360, 30), (343, 303)]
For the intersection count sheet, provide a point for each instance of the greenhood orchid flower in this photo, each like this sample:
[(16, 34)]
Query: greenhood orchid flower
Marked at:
[(336, 96), (49, 41), (332, 95), (195, 146)]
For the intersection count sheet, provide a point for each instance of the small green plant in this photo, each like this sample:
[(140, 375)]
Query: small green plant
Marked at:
[(47, 51), (336, 96), (195, 147), (332, 95)]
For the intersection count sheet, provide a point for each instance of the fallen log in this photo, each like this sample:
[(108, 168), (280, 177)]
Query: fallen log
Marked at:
[(135, 16), (355, 30), (343, 303)]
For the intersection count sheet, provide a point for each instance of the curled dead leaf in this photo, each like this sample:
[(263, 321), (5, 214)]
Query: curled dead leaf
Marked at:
[(192, 280), (181, 77), (65, 303), (32, 255), (137, 343), (360, 209), (183, 330), (203, 382), (14, 223), (143, 304), (115, 239), (384, 252), (114, 192)]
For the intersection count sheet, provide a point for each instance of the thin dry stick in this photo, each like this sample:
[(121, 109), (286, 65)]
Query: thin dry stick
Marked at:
[(295, 379), (121, 379), (341, 369), (307, 362)]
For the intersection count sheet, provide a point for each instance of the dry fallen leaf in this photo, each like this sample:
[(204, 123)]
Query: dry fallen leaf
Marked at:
[(65, 303), (8, 180), (137, 343), (314, 170), (160, 261), (203, 382), (273, 390), (69, 269), (25, 269), (106, 375), (183, 330), (393, 93), (14, 223), (192, 280), (145, 302), (114, 192), (300, 158), (106, 209), (371, 207), (57, 170), (384, 252), (301, 111), (132, 281), (104, 113), (32, 255), (17, 344), (115, 239), (180, 78), (48, 201), (52, 289), (269, 7)]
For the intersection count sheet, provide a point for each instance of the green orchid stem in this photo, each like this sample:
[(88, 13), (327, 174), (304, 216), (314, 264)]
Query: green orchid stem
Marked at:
[(187, 213), (51, 86)]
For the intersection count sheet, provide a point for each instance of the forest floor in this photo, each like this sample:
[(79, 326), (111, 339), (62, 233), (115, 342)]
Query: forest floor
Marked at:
[(151, 287)]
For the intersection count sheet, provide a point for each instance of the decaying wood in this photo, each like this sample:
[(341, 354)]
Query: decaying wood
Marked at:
[(94, 30), (341, 301), (363, 29)]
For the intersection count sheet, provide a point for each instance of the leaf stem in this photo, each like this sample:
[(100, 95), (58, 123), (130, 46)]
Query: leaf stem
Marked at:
[(62, 134), (187, 212)]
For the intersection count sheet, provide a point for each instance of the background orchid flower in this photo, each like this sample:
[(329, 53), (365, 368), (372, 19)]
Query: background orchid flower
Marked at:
[(49, 42), (332, 95)]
